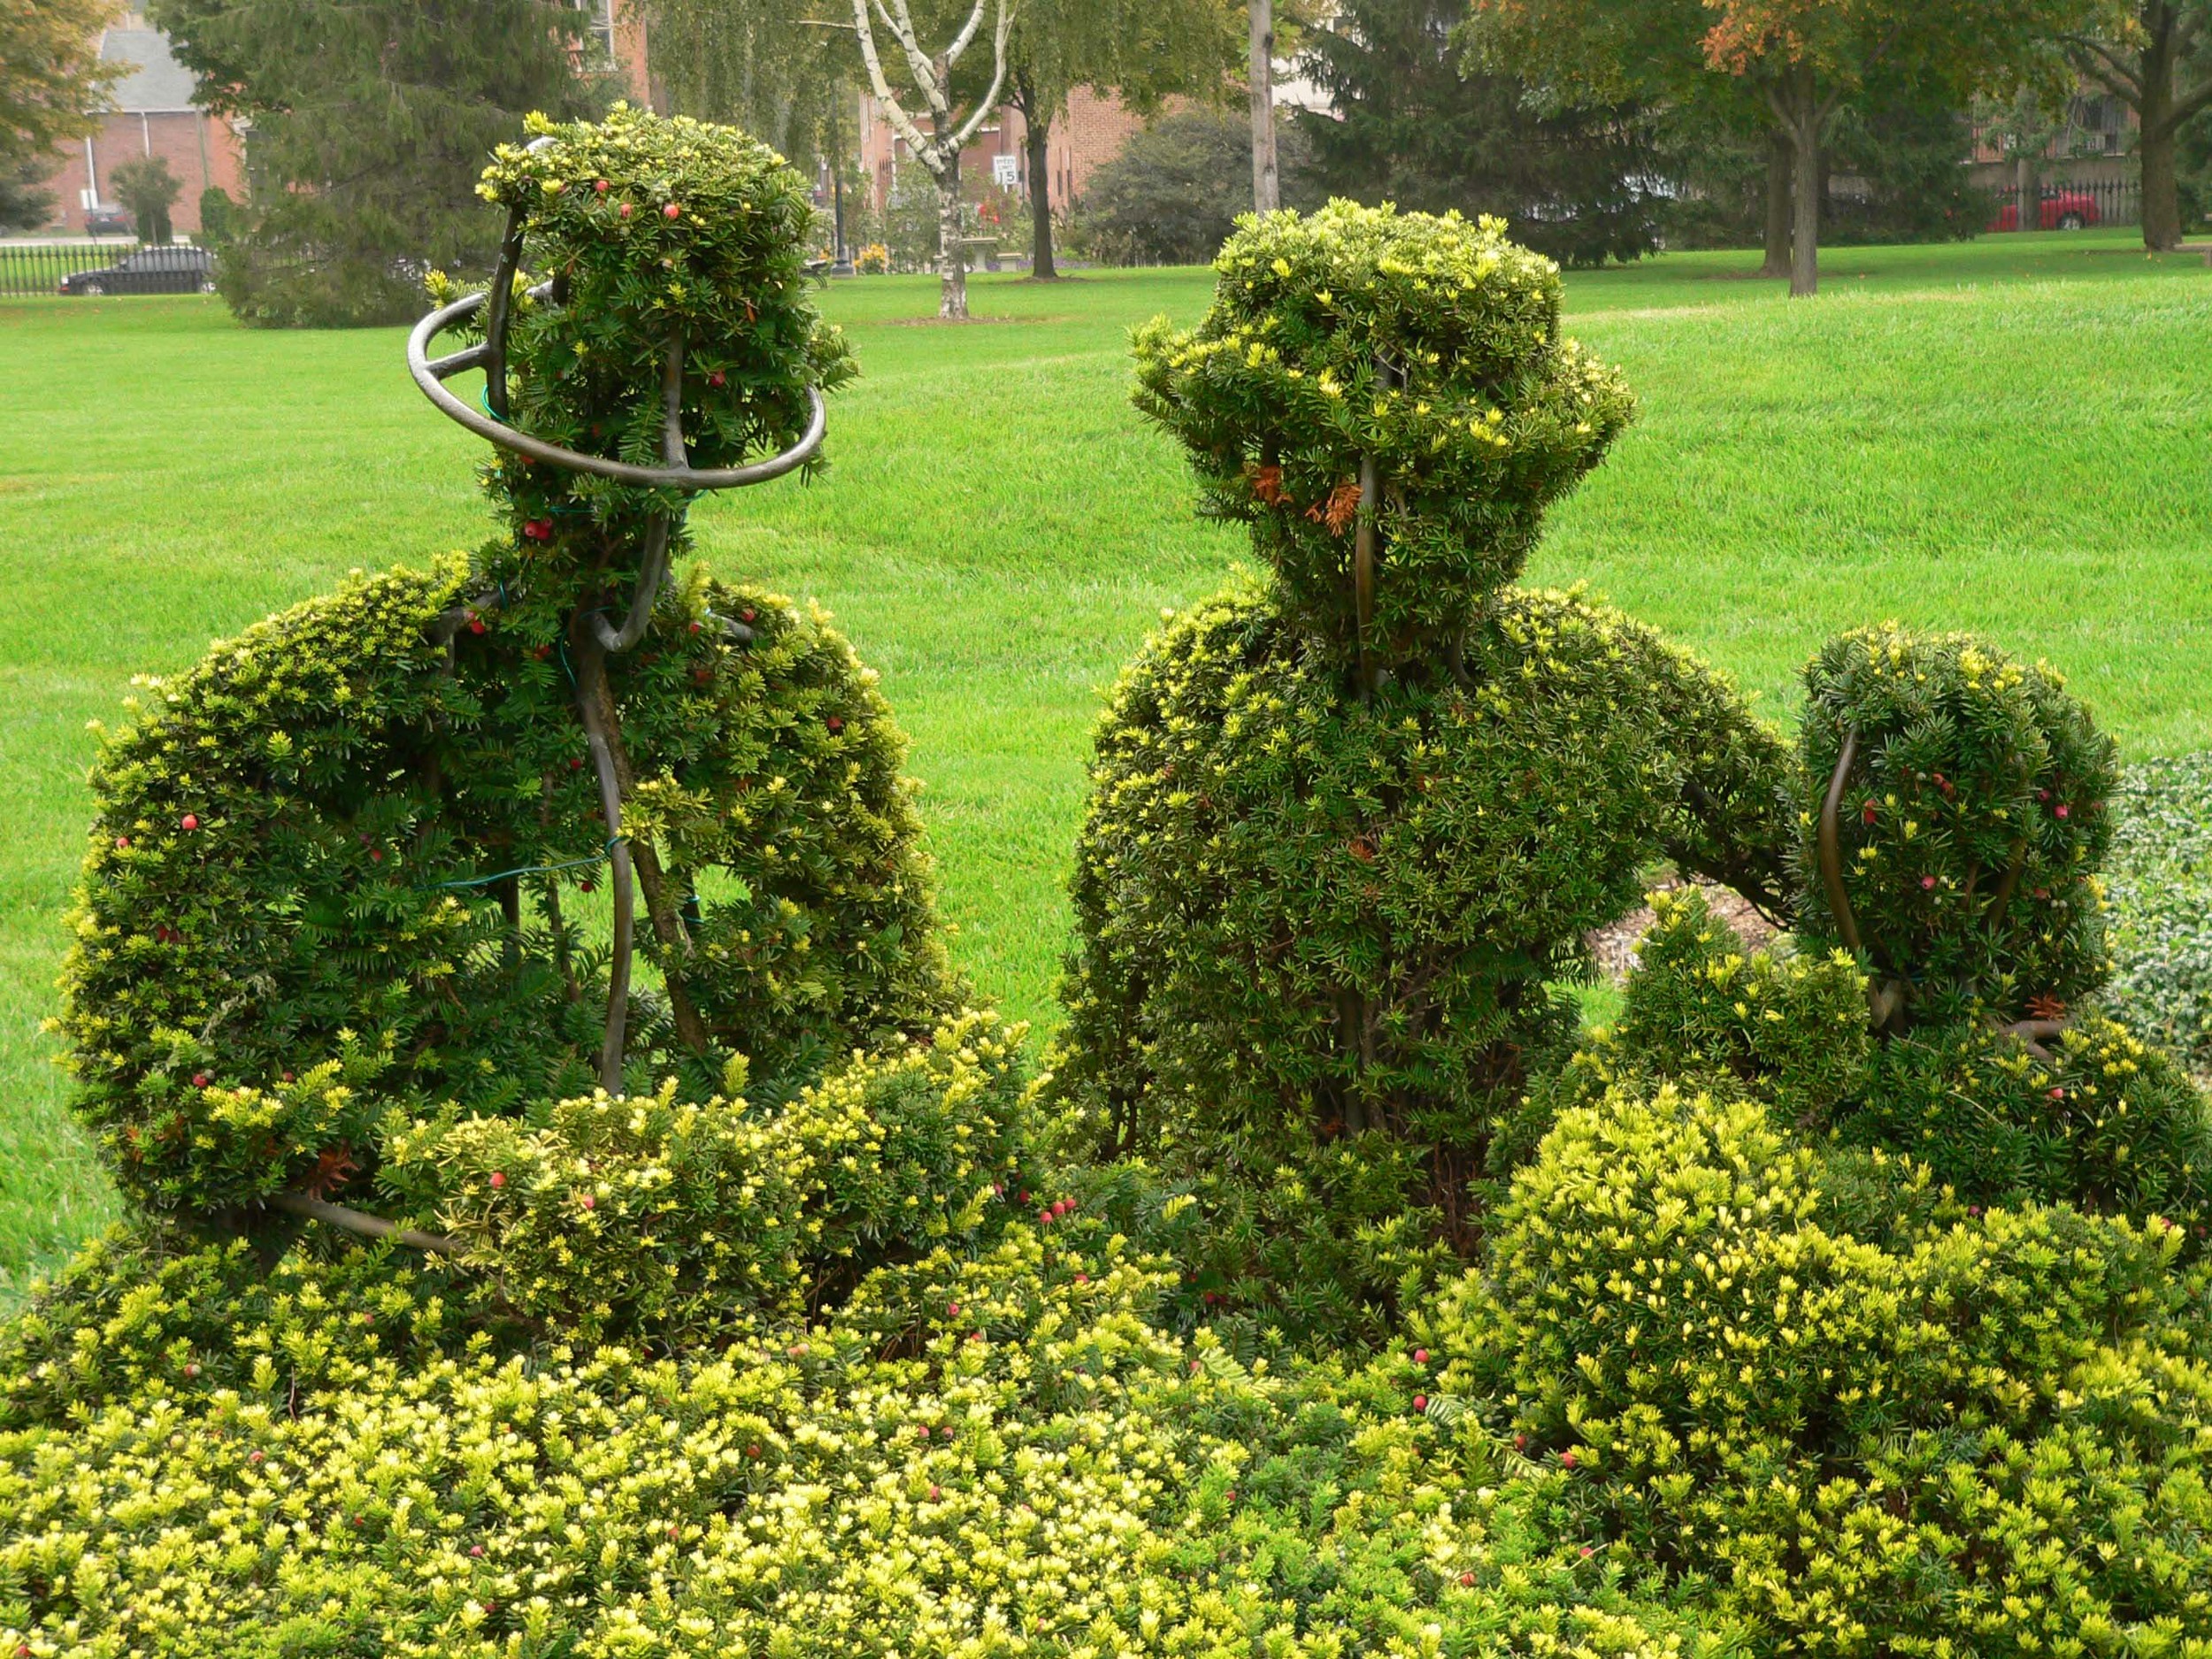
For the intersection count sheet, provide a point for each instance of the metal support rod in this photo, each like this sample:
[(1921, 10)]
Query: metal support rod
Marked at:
[(592, 698), (361, 1222), (1830, 845)]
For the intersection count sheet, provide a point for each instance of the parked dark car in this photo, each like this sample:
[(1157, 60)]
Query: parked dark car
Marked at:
[(108, 221), (149, 271)]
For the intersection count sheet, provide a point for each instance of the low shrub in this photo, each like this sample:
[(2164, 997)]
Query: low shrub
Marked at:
[(1037, 1470), (1974, 1435), (2159, 887), (667, 1222)]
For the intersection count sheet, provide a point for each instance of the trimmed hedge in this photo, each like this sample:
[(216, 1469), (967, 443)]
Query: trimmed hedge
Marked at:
[(1933, 1434)]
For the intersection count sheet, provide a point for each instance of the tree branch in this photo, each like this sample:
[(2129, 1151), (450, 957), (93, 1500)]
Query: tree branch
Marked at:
[(2187, 104), (967, 33), (2116, 76), (903, 30), (988, 102), (902, 123)]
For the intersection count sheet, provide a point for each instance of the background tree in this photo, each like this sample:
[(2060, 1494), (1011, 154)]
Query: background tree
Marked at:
[(147, 187), (1803, 59), (931, 74), (1144, 50), (776, 68), (51, 80), (2156, 59), (24, 206), (1173, 195), (1412, 124), (372, 121)]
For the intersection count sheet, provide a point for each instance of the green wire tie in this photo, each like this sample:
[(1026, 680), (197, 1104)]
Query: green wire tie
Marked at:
[(539, 869)]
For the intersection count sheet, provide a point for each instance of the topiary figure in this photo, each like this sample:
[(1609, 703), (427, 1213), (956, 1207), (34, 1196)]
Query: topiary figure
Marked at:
[(1346, 828), (351, 862)]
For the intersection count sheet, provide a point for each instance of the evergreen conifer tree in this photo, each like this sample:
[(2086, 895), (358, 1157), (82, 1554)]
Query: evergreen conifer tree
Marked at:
[(371, 122)]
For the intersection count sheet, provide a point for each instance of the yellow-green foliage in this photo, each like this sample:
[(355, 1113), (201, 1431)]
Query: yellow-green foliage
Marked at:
[(664, 1220), (1315, 933), (1037, 1472), (1488, 413), (1968, 1437)]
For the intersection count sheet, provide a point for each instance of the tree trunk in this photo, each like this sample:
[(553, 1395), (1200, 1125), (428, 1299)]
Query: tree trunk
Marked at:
[(1777, 259), (2154, 144), (1266, 193), (2024, 189), (1037, 138), (1803, 125), (952, 270)]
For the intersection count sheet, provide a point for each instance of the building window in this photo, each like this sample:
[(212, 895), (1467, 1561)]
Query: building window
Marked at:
[(598, 32)]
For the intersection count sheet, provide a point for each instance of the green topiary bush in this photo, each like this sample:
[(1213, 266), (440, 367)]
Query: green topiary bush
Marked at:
[(1332, 867), (1971, 823), (1954, 1435), (284, 930), (346, 868)]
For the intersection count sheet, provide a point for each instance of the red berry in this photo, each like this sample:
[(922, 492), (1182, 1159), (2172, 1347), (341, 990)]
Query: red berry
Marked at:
[(1520, 1442), (1082, 1278), (288, 1077), (190, 820), (253, 1457), (674, 1530), (952, 1311), (947, 1430), (746, 615), (717, 379), (476, 1549), (923, 1432), (626, 210), (1568, 1460), (588, 1201), (2063, 810), (834, 724), (122, 843), (499, 1177), (199, 1080), (1045, 1215), (476, 624), (192, 1368), (576, 763), (671, 211), (1420, 1356), (2058, 1093), (1588, 1552), (601, 187), (975, 1336), (586, 886), (1467, 1578), (695, 626), (376, 855), (1420, 1402), (936, 1492), (1927, 882), (752, 1451)]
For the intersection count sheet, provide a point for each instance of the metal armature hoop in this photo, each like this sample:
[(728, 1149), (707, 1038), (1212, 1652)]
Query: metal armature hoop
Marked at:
[(595, 637)]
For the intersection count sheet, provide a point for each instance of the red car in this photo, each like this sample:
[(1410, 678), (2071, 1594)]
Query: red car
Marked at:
[(2063, 210)]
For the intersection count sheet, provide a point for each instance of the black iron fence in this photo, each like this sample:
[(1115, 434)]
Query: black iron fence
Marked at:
[(119, 266), (2059, 206)]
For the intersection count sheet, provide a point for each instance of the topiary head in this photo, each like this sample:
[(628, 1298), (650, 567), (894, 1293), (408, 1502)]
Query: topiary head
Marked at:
[(656, 234), (1968, 827), (1362, 349)]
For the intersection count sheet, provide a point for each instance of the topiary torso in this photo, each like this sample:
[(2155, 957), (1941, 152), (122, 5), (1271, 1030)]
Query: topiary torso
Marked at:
[(356, 860), (1348, 829)]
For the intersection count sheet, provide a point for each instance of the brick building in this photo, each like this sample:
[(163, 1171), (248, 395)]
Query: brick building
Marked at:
[(1089, 133), (153, 115)]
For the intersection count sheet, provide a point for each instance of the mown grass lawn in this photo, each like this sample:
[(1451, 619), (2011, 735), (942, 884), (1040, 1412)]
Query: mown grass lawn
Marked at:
[(2014, 435)]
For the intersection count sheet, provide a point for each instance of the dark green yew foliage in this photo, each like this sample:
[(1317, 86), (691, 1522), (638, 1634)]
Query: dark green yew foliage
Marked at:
[(1320, 901), (247, 997), (1429, 344), (1972, 824)]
